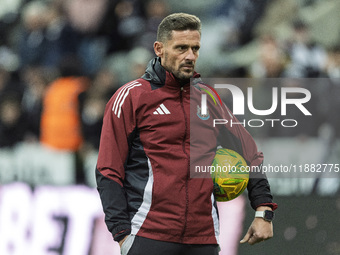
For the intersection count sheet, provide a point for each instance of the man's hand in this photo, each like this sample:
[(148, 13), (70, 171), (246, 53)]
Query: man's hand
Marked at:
[(122, 241), (259, 230)]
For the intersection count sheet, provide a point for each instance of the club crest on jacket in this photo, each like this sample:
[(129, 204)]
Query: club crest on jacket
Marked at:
[(202, 116)]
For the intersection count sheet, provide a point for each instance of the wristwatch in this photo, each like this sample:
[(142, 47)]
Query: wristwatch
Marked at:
[(267, 215)]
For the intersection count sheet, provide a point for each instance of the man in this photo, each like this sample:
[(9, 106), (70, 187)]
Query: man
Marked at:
[(152, 206)]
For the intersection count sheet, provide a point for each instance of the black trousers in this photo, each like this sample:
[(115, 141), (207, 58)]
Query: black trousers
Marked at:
[(145, 246)]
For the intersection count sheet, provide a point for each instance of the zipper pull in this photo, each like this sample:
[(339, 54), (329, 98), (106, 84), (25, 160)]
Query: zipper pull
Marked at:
[(182, 88)]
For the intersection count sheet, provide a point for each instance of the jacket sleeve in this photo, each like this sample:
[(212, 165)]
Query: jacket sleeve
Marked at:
[(118, 124), (234, 136)]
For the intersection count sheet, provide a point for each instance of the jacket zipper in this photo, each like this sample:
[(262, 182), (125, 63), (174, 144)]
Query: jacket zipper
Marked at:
[(188, 171)]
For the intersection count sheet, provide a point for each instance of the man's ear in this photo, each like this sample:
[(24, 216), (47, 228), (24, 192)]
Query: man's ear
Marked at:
[(158, 47)]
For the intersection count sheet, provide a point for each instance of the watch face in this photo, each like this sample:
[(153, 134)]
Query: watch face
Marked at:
[(268, 215)]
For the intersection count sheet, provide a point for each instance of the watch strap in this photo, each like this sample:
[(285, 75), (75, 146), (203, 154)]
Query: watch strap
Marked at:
[(259, 214)]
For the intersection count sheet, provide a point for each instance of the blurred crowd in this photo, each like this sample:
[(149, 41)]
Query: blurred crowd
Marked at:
[(55, 70), (61, 60)]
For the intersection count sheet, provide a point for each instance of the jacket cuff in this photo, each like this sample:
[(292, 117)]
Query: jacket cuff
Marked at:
[(120, 232), (272, 205), (263, 201)]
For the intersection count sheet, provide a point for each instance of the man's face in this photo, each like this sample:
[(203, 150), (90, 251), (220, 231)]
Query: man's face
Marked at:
[(179, 54)]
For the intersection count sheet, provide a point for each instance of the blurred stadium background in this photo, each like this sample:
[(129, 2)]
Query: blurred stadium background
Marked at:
[(50, 123)]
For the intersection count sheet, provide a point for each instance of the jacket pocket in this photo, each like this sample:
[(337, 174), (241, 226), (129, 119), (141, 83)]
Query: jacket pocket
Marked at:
[(126, 246)]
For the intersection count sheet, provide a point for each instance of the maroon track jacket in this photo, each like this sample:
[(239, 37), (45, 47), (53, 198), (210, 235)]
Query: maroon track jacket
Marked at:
[(143, 168)]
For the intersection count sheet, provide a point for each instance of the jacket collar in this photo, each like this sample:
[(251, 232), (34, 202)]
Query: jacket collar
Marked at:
[(158, 76)]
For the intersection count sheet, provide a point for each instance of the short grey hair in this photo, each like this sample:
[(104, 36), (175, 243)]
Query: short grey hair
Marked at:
[(177, 22)]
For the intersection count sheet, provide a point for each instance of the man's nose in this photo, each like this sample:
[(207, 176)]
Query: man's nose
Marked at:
[(191, 55)]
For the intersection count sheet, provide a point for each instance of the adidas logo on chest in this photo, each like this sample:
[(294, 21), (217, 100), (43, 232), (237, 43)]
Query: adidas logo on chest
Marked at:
[(161, 110)]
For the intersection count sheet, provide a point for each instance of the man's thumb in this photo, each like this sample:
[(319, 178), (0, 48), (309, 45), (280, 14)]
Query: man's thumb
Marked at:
[(246, 238)]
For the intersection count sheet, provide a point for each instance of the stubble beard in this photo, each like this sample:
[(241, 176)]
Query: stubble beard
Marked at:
[(182, 75)]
